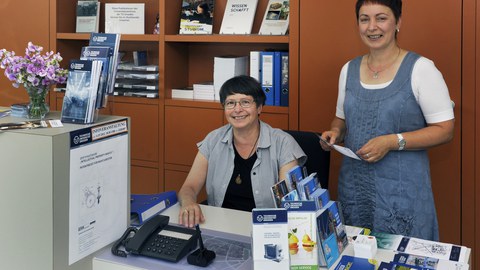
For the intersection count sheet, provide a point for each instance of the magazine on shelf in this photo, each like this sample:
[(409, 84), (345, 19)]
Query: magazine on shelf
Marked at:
[(113, 42), (81, 93), (134, 93), (132, 66), (88, 16), (238, 17), (276, 18), (197, 17), (102, 54)]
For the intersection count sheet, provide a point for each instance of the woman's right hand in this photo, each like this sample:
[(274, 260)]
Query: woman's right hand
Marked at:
[(328, 139), (190, 214)]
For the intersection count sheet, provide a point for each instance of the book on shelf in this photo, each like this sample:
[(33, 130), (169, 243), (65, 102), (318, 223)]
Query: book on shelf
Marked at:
[(270, 239), (147, 85), (125, 18), (102, 54), (238, 17), (185, 93), (145, 206), (355, 263), (204, 91), (124, 74), (255, 65), (284, 80), (113, 42), (197, 17), (132, 66), (302, 234), (81, 93), (134, 93), (276, 18), (139, 58), (227, 67), (267, 79), (88, 16)]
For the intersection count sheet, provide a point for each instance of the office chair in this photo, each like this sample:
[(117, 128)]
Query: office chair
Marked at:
[(318, 159)]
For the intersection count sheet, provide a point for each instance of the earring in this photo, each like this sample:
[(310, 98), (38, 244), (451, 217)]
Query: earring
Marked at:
[(398, 30)]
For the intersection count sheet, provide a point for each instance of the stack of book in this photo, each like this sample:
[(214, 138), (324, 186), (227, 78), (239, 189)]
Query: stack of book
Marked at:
[(185, 93), (204, 91), (136, 80)]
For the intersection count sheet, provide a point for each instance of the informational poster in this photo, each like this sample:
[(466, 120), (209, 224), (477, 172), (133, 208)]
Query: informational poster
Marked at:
[(98, 187)]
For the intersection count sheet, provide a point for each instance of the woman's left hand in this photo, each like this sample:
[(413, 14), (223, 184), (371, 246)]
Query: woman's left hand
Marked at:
[(376, 148)]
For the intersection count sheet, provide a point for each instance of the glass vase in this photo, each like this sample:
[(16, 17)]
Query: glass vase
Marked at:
[(38, 108)]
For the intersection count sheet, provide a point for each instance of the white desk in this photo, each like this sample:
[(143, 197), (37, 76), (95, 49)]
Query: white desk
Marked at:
[(218, 219)]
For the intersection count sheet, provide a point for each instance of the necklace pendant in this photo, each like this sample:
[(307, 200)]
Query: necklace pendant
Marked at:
[(375, 75), (238, 180)]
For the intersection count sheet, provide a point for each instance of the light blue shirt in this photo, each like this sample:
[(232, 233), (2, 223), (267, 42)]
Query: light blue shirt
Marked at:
[(275, 149)]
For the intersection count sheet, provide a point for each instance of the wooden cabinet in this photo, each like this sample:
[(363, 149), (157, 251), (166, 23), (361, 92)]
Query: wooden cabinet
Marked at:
[(164, 131)]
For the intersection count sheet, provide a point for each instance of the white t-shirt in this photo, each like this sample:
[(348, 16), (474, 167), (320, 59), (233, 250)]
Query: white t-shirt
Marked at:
[(428, 86)]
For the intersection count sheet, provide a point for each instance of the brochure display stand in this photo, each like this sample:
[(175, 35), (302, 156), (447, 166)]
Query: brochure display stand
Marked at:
[(56, 196)]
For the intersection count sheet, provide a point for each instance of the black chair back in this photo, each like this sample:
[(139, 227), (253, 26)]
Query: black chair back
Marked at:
[(318, 159)]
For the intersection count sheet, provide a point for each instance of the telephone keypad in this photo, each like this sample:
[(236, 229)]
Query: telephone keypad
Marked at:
[(166, 247)]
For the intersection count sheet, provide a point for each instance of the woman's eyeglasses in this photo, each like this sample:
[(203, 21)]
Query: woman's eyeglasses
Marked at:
[(244, 103)]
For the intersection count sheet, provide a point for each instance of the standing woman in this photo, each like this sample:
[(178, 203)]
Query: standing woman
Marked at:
[(392, 106), (240, 161)]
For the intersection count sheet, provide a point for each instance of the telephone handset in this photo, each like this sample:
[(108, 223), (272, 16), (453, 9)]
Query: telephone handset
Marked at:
[(157, 239)]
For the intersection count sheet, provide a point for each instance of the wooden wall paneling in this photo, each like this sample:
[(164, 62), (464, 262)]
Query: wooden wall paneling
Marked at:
[(17, 31), (175, 182), (275, 120), (470, 129), (320, 67), (144, 180), (445, 33), (143, 128), (183, 130)]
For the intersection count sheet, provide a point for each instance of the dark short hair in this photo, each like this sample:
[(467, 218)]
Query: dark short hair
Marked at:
[(243, 85), (394, 5)]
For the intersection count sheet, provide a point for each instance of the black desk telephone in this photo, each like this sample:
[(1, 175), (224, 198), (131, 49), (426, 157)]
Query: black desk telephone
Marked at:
[(157, 239)]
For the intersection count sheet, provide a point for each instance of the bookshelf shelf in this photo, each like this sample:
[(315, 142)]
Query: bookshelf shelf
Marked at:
[(161, 157), (228, 38)]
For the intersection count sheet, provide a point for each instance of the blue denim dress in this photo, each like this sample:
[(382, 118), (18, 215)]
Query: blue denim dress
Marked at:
[(393, 195)]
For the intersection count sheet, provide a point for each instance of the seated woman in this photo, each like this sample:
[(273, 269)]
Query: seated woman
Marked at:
[(240, 161)]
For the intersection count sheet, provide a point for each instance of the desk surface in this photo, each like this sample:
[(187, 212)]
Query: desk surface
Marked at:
[(217, 219)]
